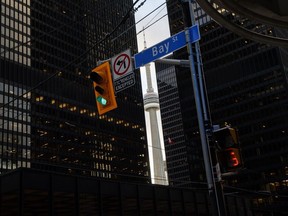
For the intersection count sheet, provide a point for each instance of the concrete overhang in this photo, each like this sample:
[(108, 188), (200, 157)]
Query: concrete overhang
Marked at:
[(269, 12), (272, 12)]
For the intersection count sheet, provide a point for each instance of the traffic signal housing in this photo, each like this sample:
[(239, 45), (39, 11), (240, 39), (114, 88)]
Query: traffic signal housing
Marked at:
[(229, 155), (103, 88)]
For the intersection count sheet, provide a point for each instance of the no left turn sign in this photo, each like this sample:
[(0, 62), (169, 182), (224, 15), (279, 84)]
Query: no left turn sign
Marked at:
[(121, 64)]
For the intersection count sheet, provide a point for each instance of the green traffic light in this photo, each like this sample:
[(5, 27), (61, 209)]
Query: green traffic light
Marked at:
[(101, 100)]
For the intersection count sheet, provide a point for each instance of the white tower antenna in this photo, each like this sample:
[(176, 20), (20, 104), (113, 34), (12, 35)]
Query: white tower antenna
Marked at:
[(151, 105)]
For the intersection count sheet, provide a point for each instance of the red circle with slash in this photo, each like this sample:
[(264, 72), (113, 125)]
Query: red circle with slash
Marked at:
[(121, 64)]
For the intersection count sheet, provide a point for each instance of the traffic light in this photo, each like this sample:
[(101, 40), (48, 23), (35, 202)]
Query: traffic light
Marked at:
[(103, 88), (229, 154)]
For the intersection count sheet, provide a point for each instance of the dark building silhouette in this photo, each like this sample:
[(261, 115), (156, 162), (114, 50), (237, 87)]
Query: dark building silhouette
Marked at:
[(247, 88), (33, 192), (48, 49)]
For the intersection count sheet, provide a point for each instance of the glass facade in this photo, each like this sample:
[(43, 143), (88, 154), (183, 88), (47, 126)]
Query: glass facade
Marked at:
[(16, 31), (174, 140), (48, 114), (247, 88), (17, 132)]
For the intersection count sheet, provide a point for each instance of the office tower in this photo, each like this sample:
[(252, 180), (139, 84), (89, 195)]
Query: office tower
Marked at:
[(48, 49), (247, 87), (174, 140), (175, 144)]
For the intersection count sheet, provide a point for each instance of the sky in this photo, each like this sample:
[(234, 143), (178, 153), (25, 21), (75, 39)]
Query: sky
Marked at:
[(154, 34)]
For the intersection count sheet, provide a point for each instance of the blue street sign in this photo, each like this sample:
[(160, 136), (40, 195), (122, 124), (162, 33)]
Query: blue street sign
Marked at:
[(165, 47), (194, 33)]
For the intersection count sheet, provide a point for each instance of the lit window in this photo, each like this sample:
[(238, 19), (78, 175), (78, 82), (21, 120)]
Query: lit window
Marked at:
[(83, 111), (40, 98), (73, 108), (63, 105)]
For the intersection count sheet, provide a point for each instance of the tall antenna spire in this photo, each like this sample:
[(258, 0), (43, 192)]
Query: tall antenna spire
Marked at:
[(145, 45), (147, 68)]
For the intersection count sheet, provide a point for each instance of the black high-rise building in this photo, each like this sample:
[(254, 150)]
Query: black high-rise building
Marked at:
[(247, 87), (172, 123), (48, 114)]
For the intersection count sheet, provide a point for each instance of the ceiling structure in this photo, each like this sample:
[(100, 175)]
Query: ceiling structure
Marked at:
[(272, 13)]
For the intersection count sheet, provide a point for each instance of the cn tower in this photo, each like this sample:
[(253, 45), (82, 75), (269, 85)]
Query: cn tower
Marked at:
[(151, 105)]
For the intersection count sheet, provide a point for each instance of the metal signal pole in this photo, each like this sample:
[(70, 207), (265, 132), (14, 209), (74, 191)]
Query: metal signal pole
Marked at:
[(204, 119)]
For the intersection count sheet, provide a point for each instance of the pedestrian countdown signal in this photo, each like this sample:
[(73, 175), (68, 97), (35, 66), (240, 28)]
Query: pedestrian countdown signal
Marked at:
[(229, 154)]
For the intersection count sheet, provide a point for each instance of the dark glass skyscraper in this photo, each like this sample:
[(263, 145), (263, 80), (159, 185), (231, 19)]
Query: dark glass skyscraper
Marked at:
[(174, 139), (247, 88), (48, 115)]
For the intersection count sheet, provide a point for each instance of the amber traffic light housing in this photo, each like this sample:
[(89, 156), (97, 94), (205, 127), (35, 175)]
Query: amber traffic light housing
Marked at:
[(103, 88)]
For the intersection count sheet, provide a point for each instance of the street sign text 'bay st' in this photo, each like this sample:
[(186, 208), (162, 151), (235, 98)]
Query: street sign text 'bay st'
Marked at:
[(167, 46)]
